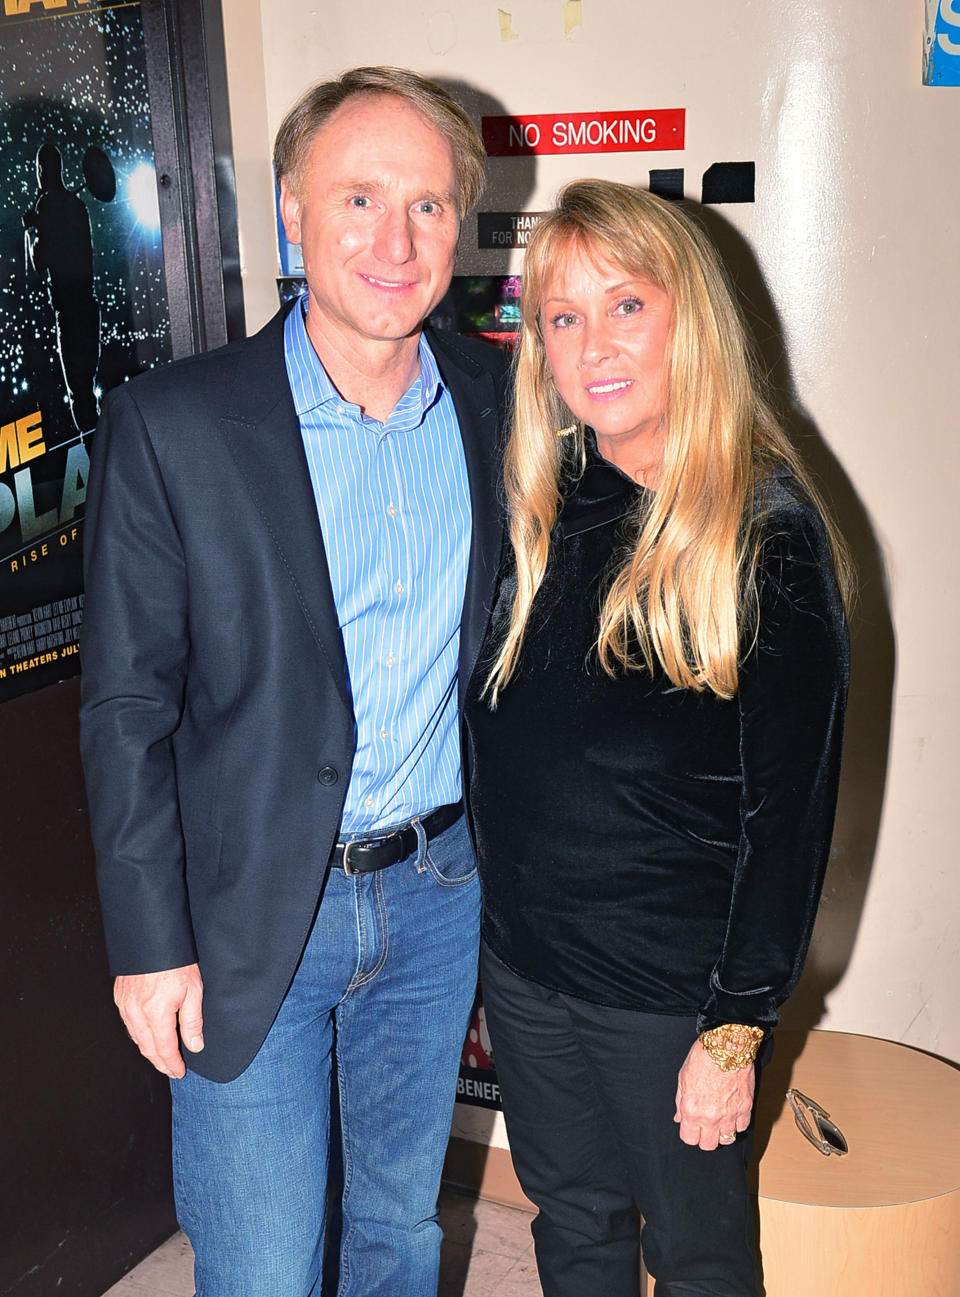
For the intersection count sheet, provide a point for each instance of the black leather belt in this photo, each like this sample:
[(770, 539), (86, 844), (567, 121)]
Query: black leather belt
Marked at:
[(367, 854)]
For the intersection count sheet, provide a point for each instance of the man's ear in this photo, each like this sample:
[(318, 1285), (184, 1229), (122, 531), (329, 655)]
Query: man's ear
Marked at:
[(290, 211)]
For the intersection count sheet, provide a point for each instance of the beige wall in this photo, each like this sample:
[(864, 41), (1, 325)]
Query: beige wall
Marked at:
[(851, 259)]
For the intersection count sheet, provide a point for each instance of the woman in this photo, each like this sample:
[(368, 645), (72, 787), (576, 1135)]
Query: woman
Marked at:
[(654, 733)]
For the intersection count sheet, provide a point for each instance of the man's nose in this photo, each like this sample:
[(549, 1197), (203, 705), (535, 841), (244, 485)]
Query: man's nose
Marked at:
[(394, 241)]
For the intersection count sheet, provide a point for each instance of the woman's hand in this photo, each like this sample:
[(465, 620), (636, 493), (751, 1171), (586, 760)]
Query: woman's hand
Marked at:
[(713, 1106)]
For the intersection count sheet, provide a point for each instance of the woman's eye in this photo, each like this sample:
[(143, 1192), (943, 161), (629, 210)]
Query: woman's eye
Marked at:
[(564, 320), (630, 306)]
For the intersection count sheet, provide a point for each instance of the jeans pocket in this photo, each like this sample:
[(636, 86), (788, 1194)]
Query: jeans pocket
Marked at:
[(449, 856)]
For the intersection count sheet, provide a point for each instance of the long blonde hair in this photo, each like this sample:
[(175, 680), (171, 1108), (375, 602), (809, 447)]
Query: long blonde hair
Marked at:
[(686, 595)]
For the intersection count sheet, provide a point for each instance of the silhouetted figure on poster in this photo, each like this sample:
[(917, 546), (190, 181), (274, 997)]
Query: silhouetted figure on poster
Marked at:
[(61, 251)]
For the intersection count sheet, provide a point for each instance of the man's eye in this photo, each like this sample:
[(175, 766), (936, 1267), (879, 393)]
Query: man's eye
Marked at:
[(428, 207), (359, 200)]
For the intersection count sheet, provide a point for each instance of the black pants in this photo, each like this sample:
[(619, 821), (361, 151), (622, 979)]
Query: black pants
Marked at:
[(588, 1097)]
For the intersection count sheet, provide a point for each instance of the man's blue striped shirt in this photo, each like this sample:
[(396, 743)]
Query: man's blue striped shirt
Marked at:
[(394, 506)]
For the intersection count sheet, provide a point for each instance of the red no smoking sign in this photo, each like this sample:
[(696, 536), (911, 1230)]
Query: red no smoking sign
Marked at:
[(623, 131)]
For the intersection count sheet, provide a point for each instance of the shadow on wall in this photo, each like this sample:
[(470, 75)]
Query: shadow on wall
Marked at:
[(873, 648), (479, 104)]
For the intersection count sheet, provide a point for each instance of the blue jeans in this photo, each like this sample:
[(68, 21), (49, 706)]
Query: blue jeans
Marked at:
[(386, 982)]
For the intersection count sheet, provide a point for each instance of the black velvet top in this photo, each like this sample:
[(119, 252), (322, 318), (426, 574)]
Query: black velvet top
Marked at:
[(645, 846)]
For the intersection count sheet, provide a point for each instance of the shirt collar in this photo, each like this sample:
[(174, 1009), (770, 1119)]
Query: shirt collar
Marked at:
[(310, 383)]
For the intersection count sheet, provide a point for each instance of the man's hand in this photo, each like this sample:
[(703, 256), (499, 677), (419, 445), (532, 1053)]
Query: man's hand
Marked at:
[(712, 1105), (150, 1005)]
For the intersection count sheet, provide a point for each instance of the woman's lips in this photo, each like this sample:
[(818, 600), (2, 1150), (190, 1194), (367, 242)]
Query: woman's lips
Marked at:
[(608, 389)]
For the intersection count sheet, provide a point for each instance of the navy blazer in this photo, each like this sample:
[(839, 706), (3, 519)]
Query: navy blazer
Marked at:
[(216, 728)]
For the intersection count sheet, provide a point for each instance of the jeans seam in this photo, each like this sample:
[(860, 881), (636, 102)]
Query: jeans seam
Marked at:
[(378, 889), (347, 1227), (360, 910), (185, 1212)]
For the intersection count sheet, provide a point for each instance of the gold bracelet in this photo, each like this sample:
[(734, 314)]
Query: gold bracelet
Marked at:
[(732, 1045)]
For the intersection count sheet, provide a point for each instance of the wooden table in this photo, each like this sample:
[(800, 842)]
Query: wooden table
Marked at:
[(884, 1221)]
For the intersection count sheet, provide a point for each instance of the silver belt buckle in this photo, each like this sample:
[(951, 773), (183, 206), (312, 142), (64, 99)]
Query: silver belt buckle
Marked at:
[(363, 842), (347, 867)]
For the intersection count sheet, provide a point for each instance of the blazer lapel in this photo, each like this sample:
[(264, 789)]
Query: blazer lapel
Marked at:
[(262, 434), (478, 404)]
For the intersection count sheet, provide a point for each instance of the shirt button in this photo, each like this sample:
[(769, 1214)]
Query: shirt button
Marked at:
[(368, 802), (384, 734), (392, 510), (327, 775), (341, 409), (399, 587), (391, 660)]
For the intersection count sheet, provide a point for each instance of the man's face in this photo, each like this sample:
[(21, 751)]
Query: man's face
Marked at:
[(376, 214)]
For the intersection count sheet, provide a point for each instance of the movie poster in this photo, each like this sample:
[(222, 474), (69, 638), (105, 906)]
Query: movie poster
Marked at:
[(477, 1082), (82, 298)]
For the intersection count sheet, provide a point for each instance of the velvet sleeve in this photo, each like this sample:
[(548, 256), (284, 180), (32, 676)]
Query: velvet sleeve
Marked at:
[(791, 701)]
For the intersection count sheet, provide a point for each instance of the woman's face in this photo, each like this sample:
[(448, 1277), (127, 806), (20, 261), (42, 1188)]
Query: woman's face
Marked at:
[(606, 333)]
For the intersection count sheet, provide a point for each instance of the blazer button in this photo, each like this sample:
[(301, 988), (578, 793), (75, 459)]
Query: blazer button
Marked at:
[(327, 775)]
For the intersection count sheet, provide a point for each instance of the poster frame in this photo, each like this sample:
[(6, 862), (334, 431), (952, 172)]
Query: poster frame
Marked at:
[(190, 119)]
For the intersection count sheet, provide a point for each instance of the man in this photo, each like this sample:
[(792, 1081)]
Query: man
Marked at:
[(279, 555), (60, 247)]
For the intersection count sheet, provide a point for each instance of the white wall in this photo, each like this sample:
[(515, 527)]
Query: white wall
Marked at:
[(856, 274)]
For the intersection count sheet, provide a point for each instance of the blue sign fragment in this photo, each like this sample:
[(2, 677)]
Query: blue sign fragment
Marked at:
[(941, 47)]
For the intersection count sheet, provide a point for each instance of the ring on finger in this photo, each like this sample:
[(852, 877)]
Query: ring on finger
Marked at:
[(727, 1139)]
